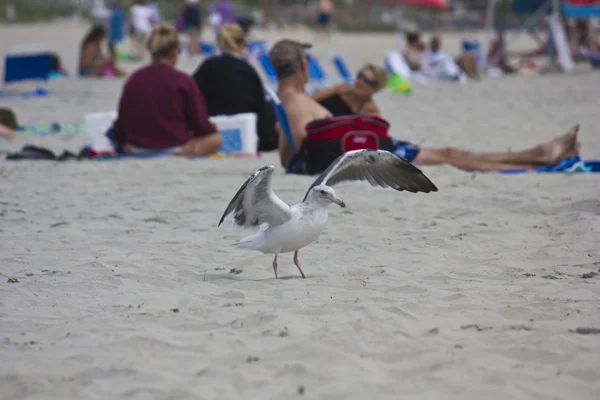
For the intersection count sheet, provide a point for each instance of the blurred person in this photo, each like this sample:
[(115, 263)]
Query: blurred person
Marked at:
[(230, 85), (140, 25), (192, 25), (291, 66), (344, 99), (324, 16), (116, 28), (435, 63), (222, 13), (93, 62), (162, 109)]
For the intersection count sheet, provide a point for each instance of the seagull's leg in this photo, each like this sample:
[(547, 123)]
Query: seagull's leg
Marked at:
[(298, 264), (275, 265)]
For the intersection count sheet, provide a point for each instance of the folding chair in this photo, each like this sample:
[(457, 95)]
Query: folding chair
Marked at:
[(547, 9), (207, 49), (267, 68), (316, 74), (281, 117), (342, 69)]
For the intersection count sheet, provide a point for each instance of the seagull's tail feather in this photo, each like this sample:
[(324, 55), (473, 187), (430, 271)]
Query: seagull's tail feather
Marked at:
[(251, 242)]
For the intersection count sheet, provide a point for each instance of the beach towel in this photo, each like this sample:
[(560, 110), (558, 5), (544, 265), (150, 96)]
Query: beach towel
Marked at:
[(568, 165), (46, 129), (37, 92)]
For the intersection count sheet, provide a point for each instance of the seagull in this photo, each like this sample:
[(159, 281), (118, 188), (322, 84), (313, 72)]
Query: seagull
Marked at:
[(291, 228)]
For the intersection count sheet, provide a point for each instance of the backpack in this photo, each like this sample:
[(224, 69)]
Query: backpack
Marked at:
[(329, 138)]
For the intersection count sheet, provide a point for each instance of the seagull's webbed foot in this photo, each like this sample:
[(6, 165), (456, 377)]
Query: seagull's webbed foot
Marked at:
[(275, 266), (298, 264)]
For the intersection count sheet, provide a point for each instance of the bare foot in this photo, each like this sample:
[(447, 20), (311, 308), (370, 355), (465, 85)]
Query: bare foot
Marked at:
[(560, 147)]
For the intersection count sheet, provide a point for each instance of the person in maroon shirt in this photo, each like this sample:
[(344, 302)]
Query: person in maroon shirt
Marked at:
[(162, 109)]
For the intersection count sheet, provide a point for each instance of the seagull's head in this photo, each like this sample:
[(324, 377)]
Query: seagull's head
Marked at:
[(324, 195)]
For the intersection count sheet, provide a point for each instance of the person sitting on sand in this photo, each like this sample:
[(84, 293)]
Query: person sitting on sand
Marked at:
[(230, 85), (92, 61), (291, 66), (345, 99), (160, 106), (418, 59)]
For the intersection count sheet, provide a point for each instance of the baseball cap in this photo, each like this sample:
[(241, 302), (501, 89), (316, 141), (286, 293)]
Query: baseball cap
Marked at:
[(286, 55)]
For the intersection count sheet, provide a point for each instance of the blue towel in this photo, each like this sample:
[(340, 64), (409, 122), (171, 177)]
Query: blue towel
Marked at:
[(38, 92), (568, 165)]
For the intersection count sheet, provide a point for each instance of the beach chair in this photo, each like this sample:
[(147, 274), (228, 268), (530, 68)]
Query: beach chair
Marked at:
[(396, 64), (549, 10), (281, 116), (257, 46), (207, 49), (265, 64), (26, 63), (316, 73), (342, 69)]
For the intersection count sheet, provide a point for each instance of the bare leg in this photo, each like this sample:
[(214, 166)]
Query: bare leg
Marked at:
[(275, 266), (202, 146), (298, 264), (548, 153), (466, 61)]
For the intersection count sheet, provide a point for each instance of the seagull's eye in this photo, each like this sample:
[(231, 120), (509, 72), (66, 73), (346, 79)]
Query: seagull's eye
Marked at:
[(322, 191)]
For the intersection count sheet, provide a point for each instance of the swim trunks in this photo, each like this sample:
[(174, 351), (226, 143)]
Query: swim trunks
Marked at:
[(323, 19), (405, 150)]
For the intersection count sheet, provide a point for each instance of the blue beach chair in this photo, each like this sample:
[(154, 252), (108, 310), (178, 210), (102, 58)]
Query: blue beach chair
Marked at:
[(342, 69)]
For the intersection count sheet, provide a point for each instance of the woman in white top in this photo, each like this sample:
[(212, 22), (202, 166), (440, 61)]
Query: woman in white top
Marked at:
[(141, 19)]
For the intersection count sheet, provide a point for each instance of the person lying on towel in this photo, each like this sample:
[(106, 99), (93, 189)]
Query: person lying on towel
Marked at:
[(162, 109), (291, 66)]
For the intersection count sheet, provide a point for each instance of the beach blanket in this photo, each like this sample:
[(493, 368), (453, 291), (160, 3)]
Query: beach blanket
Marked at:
[(38, 92), (30, 152), (568, 165), (46, 129)]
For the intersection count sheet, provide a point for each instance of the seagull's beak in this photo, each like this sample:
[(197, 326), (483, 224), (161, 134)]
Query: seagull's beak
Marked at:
[(339, 202)]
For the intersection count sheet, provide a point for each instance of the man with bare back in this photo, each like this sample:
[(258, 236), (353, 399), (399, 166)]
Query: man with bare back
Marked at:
[(291, 66)]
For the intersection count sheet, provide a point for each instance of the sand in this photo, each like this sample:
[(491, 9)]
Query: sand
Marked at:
[(125, 288)]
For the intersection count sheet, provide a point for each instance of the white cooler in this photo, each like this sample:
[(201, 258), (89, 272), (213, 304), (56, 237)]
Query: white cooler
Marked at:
[(96, 126), (238, 131)]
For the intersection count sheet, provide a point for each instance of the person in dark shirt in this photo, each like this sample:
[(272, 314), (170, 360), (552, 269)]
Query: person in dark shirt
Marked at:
[(192, 24), (231, 86), (162, 108), (344, 99)]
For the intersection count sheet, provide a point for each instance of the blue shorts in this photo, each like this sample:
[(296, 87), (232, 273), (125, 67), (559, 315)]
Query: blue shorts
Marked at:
[(405, 150), (323, 19)]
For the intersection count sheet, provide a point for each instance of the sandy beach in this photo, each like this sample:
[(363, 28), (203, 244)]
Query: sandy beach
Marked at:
[(122, 286)]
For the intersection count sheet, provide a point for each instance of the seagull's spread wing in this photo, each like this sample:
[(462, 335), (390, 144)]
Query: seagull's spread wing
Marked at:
[(255, 203), (379, 168)]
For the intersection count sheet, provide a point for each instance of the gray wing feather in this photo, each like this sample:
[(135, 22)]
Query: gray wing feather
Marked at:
[(255, 203), (377, 167)]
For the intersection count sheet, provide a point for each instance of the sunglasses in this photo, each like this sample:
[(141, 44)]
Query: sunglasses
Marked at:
[(366, 79)]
